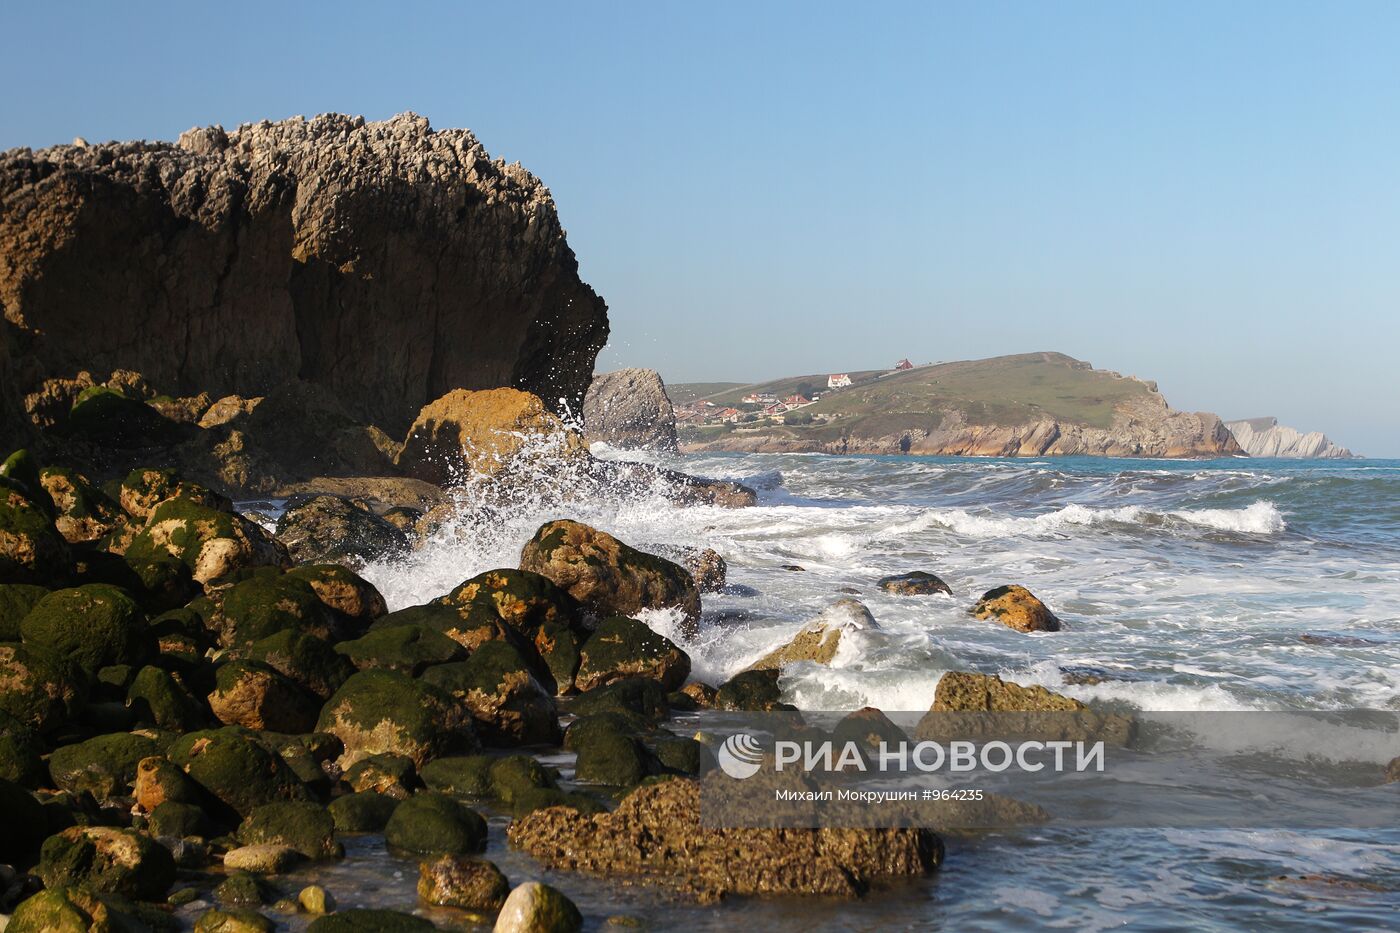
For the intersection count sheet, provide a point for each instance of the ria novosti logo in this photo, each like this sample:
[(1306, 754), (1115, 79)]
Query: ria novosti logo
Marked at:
[(740, 756)]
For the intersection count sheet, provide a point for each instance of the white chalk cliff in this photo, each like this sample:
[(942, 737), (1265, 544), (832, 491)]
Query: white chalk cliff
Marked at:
[(1265, 437)]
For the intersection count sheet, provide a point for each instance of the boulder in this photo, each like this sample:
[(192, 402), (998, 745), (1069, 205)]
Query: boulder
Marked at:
[(31, 548), (819, 640), (370, 920), (408, 649), (364, 812), (752, 691), (235, 769), (144, 488), (269, 602), (215, 920), (16, 599), (981, 706), (157, 698), (638, 698), (302, 657), (213, 544), (108, 861), (612, 759), (462, 881), (558, 648), (1016, 608), (656, 835), (538, 908), (387, 712), (20, 751), (105, 765), (914, 583), (459, 774), (315, 900), (263, 858), (524, 600), (302, 825), (509, 705), (177, 820), (629, 409), (332, 529), (514, 775), (622, 648), (76, 910), (608, 576), (82, 512), (465, 435), (707, 568), (257, 696), (37, 688), (92, 626), (390, 775), (343, 590), (108, 416), (159, 781), (431, 823)]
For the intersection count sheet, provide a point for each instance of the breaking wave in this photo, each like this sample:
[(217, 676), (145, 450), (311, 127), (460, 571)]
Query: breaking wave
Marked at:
[(1259, 518)]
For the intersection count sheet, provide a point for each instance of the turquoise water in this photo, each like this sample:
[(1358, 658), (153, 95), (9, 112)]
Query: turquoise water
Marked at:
[(1183, 585)]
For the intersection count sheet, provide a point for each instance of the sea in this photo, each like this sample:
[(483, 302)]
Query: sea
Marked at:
[(1183, 586)]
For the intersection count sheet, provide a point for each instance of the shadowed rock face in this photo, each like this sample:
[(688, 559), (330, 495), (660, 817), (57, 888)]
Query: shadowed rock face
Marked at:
[(385, 261), (630, 409)]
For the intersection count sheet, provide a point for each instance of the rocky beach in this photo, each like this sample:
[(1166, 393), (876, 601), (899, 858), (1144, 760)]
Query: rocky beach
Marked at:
[(337, 594)]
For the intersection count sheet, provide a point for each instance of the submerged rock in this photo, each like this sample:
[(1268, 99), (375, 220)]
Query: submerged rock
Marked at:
[(914, 583), (462, 881), (1017, 608), (819, 640), (607, 575)]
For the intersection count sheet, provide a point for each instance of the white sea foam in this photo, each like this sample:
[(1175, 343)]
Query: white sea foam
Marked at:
[(1260, 517)]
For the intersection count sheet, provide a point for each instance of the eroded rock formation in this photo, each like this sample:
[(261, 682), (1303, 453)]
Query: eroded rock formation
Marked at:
[(387, 262), (1265, 437), (630, 409)]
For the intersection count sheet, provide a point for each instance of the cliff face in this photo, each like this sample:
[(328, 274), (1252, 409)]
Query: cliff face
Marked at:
[(385, 261), (630, 409), (1265, 437)]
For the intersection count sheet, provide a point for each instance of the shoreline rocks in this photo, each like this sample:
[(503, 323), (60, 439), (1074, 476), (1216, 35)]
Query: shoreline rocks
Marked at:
[(629, 409)]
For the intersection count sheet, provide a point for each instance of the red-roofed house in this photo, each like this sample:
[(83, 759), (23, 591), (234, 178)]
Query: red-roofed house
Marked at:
[(904, 364), (838, 380)]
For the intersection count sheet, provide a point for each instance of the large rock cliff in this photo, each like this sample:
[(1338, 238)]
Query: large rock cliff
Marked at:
[(387, 262), (629, 409), (1265, 437)]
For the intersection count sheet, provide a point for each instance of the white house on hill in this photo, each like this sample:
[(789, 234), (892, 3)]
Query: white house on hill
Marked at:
[(838, 380)]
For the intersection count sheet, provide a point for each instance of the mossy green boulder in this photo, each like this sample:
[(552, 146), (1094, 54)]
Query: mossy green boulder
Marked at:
[(509, 705), (523, 599), (108, 861), (178, 820), (558, 648), (157, 698), (515, 774), (75, 910), (267, 603), (20, 751), (105, 765), (214, 544), (622, 648), (634, 696), (409, 649), (39, 688), (368, 920), (611, 759), (753, 691), (345, 591), (82, 512), (606, 575), (161, 584), (430, 822), (302, 825), (459, 774), (16, 599), (31, 548), (93, 626), (378, 712), (235, 768), (542, 798), (144, 488), (216, 920), (310, 661), (108, 417), (257, 696), (364, 812)]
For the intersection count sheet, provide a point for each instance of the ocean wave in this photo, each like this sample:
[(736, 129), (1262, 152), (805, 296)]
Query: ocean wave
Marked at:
[(1258, 518)]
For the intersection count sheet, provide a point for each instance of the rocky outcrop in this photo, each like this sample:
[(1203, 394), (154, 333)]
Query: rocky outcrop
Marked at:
[(1265, 437), (388, 262), (820, 639), (630, 409)]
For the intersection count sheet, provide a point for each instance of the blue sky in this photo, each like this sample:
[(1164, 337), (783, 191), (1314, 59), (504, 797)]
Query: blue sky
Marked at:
[(1204, 194)]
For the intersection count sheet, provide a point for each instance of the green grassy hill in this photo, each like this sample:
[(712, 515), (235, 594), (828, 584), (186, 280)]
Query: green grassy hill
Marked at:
[(683, 393)]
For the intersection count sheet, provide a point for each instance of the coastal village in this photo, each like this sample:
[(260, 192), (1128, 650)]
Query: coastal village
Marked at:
[(756, 407)]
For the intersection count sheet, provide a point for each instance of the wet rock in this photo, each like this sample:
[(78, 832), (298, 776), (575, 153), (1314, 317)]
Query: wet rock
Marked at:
[(459, 774), (752, 691), (914, 583), (1392, 771), (178, 820), (157, 699), (263, 859), (159, 585), (256, 696), (679, 755), (309, 661), (509, 705), (235, 769), (20, 751), (365, 812), (608, 576), (611, 759), (468, 434), (407, 649), (960, 691), (390, 775), (232, 921), (819, 640), (74, 910), (214, 544), (108, 861), (241, 889), (708, 569), (656, 834), (702, 694), (636, 697), (979, 706), (386, 712), (82, 512), (160, 781), (622, 648), (430, 822), (145, 488), (92, 626), (366, 920), (524, 600), (1017, 608), (269, 602), (303, 826), (558, 648), (332, 529), (344, 591), (629, 409), (515, 775), (316, 900), (462, 881), (26, 825), (538, 908), (105, 766)]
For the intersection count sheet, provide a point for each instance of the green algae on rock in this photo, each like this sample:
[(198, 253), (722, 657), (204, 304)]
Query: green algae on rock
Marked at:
[(384, 711), (622, 648), (431, 822)]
